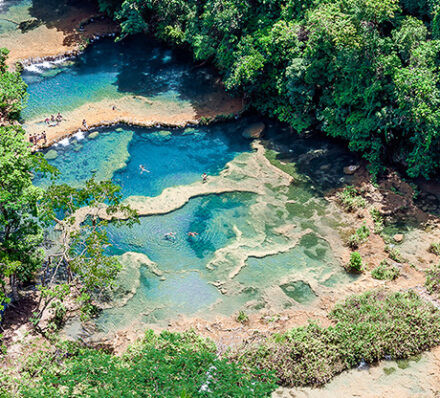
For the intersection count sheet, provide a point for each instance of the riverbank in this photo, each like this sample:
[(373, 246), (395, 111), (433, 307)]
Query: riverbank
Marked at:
[(138, 111), (59, 29)]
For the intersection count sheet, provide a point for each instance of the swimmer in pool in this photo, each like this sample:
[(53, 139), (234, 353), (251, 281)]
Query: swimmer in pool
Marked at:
[(143, 169), (170, 235)]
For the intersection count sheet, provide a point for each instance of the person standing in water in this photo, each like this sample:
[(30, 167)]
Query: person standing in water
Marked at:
[(204, 177)]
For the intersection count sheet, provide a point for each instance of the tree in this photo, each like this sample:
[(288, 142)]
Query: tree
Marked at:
[(13, 93), (21, 224)]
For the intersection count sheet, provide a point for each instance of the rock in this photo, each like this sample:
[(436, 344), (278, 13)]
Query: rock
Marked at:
[(349, 170), (51, 154), (93, 135), (254, 130), (398, 238)]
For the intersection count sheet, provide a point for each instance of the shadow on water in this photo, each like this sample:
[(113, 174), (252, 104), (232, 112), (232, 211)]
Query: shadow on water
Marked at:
[(317, 157)]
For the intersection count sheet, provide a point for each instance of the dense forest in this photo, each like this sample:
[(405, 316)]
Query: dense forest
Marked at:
[(362, 70), (365, 71)]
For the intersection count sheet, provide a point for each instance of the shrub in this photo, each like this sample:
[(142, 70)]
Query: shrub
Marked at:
[(355, 263), (435, 248), (432, 282), (385, 271), (350, 199), (359, 237), (377, 219), (367, 327), (242, 317), (165, 365), (394, 253)]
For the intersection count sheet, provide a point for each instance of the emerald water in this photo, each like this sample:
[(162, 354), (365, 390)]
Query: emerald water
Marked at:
[(269, 247), (139, 68)]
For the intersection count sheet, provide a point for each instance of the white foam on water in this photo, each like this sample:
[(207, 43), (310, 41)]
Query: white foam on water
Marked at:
[(39, 67), (63, 142), (79, 135)]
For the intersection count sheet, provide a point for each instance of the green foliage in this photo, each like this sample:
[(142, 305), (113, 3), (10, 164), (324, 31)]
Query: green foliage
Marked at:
[(165, 365), (21, 218), (13, 95), (433, 280), (434, 248), (385, 271), (242, 317), (367, 327), (394, 253), (350, 198), (360, 236), (377, 219), (355, 263), (362, 70)]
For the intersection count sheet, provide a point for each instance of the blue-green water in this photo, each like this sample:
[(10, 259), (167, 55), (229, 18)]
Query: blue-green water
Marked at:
[(171, 158), (196, 271), (109, 70)]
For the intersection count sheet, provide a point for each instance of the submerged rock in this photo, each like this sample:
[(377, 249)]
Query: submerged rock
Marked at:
[(93, 135), (349, 170), (51, 154), (255, 130)]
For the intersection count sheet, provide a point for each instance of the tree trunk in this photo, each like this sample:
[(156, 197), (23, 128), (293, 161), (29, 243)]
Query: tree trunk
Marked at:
[(14, 288)]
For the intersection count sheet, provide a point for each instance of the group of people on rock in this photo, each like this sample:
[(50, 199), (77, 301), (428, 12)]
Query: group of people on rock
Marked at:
[(54, 120), (34, 139)]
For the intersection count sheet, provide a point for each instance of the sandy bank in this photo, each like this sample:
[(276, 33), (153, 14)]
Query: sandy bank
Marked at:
[(136, 110), (63, 30)]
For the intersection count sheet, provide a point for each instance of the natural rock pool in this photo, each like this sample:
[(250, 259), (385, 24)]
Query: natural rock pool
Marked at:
[(266, 237)]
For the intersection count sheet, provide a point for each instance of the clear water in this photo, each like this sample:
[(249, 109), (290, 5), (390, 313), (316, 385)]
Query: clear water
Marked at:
[(109, 70), (190, 267), (176, 157), (13, 10)]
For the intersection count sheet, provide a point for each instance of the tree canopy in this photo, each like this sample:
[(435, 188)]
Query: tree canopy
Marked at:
[(362, 70)]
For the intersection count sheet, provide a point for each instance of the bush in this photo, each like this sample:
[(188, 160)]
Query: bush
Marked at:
[(394, 253), (435, 248), (377, 219), (242, 317), (355, 263), (432, 282), (385, 271), (165, 365), (359, 237), (368, 327), (350, 199)]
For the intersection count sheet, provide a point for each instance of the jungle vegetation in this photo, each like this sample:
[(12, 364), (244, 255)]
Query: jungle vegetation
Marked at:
[(365, 71)]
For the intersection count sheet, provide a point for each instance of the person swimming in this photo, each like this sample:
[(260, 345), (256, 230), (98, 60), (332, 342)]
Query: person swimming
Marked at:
[(143, 169), (192, 234), (170, 236)]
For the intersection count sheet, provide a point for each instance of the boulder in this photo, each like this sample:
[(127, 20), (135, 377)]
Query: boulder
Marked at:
[(93, 135), (254, 130), (51, 154), (398, 238), (349, 170)]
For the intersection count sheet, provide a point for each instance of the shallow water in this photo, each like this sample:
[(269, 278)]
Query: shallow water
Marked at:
[(252, 251), (188, 265), (109, 70), (13, 11), (170, 157)]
